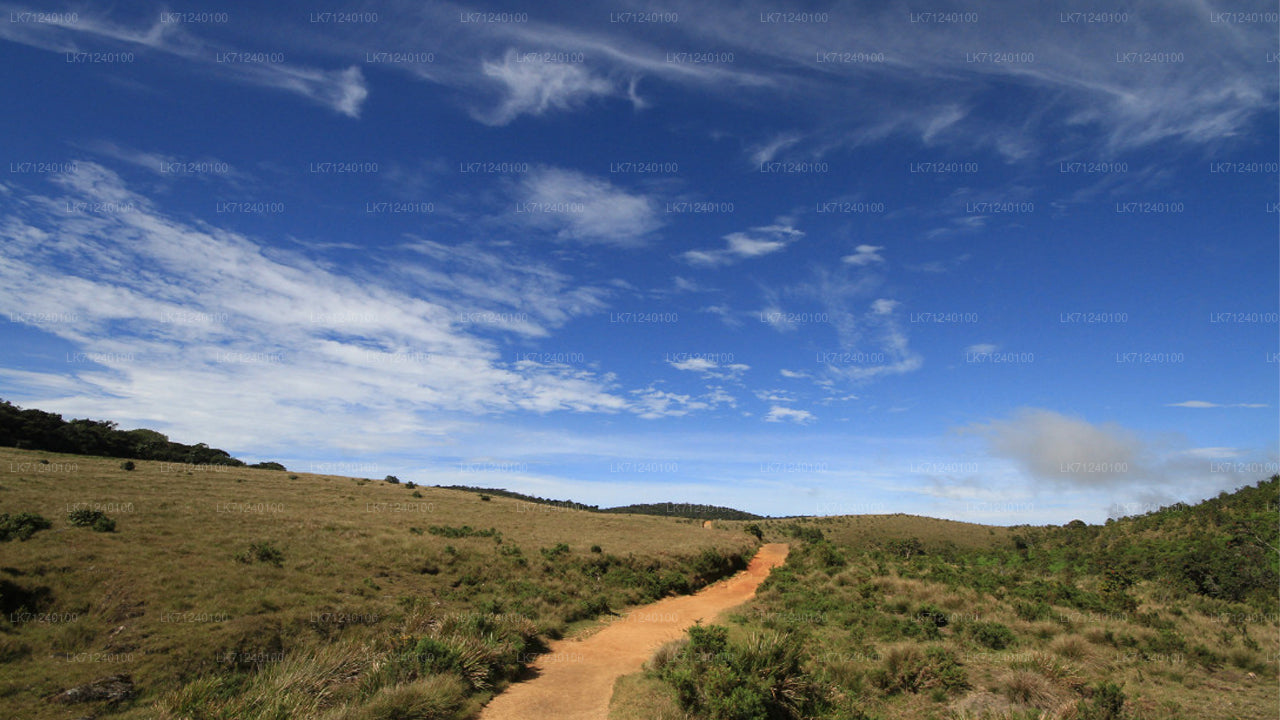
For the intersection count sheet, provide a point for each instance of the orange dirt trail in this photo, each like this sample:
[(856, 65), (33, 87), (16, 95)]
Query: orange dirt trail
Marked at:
[(575, 678)]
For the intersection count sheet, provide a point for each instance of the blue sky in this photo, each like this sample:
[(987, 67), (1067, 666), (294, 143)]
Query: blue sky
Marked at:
[(974, 261)]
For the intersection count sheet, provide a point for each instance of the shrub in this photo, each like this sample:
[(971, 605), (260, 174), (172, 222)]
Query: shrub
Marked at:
[(93, 519), (760, 679), (909, 670), (21, 526), (411, 485), (991, 635), (827, 555), (1106, 703), (393, 479), (268, 466), (262, 552), (127, 465), (450, 531), (808, 533), (558, 550), (754, 529), (597, 549), (905, 548), (485, 498), (1032, 611), (932, 616), (293, 477)]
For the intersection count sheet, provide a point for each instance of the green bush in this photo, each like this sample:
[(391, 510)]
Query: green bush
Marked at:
[(991, 635), (262, 552), (450, 531), (905, 549), (754, 529), (127, 465), (1032, 611), (1106, 703), (393, 479), (95, 519), (807, 533), (21, 526), (556, 551), (909, 670), (760, 679)]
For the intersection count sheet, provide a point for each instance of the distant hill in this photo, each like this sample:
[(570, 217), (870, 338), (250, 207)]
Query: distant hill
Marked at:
[(33, 429), (692, 511), (695, 511), (521, 496)]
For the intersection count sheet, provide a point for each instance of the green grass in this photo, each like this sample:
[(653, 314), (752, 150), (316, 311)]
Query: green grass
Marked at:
[(1053, 623)]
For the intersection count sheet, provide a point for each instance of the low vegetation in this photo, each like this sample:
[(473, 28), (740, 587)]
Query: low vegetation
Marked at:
[(1170, 615)]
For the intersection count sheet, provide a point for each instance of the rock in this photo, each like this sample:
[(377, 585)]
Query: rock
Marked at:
[(113, 688)]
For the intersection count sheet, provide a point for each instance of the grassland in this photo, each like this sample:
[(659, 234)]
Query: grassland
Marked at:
[(232, 592), (1166, 616), (244, 593)]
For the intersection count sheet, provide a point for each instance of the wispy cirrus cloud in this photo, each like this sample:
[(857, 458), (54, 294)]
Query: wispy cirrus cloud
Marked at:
[(343, 91), (535, 87), (1206, 404), (206, 331), (753, 243)]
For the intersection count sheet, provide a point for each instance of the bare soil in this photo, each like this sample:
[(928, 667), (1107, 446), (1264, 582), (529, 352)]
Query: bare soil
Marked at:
[(574, 680)]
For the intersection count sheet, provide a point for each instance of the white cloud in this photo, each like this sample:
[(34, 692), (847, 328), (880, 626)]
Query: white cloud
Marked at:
[(503, 290), (1212, 453), (884, 306), (344, 91), (1206, 404), (981, 349), (536, 87), (710, 368), (584, 209), (652, 403), (766, 152), (1053, 447), (778, 413), (202, 332), (864, 255), (756, 242)]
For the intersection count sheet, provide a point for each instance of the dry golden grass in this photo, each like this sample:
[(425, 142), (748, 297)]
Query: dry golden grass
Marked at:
[(164, 598)]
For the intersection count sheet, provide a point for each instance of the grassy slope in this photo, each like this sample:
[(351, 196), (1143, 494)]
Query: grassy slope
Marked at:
[(165, 600), (1034, 629)]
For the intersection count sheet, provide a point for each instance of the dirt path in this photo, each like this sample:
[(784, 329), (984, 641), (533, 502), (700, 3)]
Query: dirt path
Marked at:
[(575, 679)]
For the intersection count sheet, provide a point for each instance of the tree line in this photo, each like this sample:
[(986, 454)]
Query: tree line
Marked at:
[(31, 429)]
